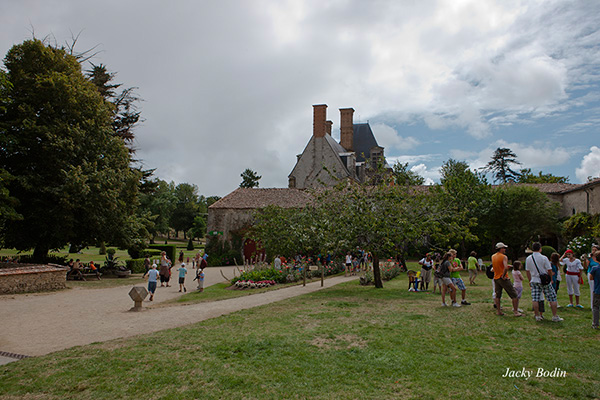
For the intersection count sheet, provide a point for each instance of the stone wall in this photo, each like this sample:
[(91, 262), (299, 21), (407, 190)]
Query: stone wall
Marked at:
[(23, 278)]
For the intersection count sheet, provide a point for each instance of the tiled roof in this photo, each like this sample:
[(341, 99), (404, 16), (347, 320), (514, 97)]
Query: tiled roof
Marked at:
[(553, 188), (243, 198)]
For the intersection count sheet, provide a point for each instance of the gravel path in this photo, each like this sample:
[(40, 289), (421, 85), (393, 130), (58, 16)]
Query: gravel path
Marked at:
[(38, 324)]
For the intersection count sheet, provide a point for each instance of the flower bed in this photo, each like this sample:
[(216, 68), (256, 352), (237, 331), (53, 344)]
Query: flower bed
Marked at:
[(253, 285)]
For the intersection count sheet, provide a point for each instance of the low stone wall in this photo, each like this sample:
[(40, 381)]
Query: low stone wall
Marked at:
[(26, 278)]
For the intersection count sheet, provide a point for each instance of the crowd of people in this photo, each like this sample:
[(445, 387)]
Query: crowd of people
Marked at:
[(543, 277), (163, 274)]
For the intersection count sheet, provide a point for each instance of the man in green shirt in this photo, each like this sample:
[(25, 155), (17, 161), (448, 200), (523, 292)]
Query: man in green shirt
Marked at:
[(472, 267), (456, 267)]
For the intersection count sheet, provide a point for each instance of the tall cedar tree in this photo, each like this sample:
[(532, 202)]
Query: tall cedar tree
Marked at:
[(500, 165), (72, 176), (249, 178)]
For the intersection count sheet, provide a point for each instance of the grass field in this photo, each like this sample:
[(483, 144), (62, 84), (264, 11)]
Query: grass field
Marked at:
[(346, 342)]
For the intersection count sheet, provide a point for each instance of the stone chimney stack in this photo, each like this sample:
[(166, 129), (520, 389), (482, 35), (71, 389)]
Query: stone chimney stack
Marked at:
[(347, 129), (329, 124), (319, 120)]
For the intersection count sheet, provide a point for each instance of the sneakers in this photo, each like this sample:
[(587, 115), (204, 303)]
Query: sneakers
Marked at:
[(569, 305), (465, 303), (539, 318), (579, 306), (557, 319), (444, 305), (594, 326), (455, 304), (519, 310)]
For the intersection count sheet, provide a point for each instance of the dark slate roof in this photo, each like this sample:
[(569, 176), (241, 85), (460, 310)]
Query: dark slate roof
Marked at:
[(335, 145), (364, 141), (244, 198)]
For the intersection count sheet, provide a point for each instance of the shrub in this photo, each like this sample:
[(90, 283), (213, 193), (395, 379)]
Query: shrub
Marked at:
[(366, 279), (170, 249), (136, 249), (190, 245), (221, 252), (135, 265), (50, 259), (390, 272), (580, 245), (152, 252), (548, 250), (102, 250), (268, 274), (111, 252)]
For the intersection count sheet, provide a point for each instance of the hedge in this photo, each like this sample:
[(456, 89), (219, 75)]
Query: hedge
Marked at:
[(171, 250), (152, 252), (136, 265)]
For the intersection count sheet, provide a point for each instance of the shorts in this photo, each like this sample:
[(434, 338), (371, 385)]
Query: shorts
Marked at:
[(537, 289), (152, 287), (458, 282), (426, 275), (505, 284), (164, 278), (472, 273), (447, 281), (181, 280)]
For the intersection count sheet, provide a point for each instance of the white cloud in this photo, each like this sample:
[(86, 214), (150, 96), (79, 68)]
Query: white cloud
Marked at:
[(391, 140), (228, 88), (590, 165), (430, 175)]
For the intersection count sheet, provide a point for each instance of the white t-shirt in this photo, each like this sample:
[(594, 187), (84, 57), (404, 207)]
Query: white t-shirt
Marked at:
[(543, 264), (428, 264), (348, 259), (572, 266)]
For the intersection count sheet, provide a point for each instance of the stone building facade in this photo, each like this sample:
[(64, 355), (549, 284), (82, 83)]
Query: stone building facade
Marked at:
[(324, 161)]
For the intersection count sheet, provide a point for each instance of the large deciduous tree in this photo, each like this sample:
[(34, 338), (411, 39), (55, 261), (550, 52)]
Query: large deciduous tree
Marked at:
[(186, 207), (404, 176), (517, 215), (72, 176), (526, 176), (459, 203)]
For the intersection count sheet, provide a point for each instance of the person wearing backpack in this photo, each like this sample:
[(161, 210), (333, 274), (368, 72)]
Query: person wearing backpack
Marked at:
[(539, 273)]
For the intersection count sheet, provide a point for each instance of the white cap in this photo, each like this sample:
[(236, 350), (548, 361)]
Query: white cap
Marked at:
[(501, 245)]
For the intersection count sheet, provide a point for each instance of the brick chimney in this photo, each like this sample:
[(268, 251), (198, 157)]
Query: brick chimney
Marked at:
[(328, 127), (347, 129), (319, 120)]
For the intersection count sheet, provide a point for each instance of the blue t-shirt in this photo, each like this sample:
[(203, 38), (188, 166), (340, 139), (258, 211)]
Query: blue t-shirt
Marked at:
[(152, 275), (595, 272), (182, 272)]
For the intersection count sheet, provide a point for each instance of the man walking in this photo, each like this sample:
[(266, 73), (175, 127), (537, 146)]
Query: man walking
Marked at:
[(537, 264), (501, 280), (426, 266)]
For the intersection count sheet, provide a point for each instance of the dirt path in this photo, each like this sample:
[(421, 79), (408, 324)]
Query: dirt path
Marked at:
[(38, 324)]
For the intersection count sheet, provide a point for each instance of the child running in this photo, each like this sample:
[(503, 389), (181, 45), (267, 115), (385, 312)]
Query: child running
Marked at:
[(182, 271)]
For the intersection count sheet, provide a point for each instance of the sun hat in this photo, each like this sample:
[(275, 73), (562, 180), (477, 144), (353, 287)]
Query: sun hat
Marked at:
[(501, 245)]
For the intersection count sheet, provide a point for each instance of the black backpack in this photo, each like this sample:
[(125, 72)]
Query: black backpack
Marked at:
[(489, 271)]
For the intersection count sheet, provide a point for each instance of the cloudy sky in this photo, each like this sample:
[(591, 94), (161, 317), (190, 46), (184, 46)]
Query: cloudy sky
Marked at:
[(229, 84)]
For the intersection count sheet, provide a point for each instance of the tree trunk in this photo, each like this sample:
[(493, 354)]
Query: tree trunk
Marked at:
[(377, 272), (40, 253)]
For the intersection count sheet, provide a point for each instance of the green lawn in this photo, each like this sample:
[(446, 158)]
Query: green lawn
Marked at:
[(92, 253), (346, 342)]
